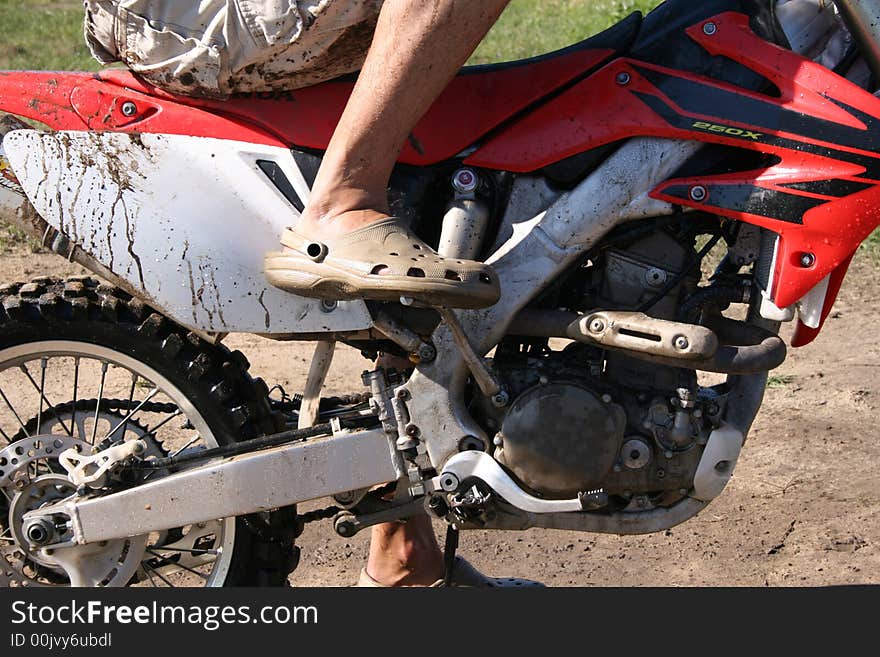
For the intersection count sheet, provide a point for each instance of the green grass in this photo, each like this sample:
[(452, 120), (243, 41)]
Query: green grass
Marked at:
[(36, 34), (531, 27), (872, 247), (13, 240), (779, 380), (43, 35)]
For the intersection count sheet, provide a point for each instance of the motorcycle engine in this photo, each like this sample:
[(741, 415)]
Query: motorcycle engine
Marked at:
[(582, 418)]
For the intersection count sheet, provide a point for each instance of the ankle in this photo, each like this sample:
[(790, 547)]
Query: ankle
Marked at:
[(334, 222)]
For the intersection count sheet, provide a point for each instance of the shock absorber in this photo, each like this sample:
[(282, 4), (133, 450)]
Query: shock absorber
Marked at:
[(466, 218)]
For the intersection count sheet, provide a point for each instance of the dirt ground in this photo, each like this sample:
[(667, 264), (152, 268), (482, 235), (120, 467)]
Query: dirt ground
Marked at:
[(803, 508)]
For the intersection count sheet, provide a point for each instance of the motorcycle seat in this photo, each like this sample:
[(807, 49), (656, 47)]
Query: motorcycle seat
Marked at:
[(478, 100)]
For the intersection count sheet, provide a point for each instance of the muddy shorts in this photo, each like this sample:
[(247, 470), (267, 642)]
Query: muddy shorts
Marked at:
[(214, 48)]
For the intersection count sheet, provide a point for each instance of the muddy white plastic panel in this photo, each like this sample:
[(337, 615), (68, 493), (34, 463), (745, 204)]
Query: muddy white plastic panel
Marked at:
[(718, 462), (185, 219)]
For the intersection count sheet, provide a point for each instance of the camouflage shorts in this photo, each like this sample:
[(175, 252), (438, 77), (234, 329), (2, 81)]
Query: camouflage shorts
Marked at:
[(215, 48)]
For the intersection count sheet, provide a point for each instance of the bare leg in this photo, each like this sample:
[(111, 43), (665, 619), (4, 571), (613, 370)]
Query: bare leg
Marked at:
[(405, 554), (417, 49)]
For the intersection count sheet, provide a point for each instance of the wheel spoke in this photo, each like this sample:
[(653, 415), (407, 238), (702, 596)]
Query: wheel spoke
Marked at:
[(104, 367), (149, 575), (152, 432), (75, 390), (134, 380), (189, 551), (43, 362), (20, 423), (174, 564), (153, 393), (51, 406), (148, 568)]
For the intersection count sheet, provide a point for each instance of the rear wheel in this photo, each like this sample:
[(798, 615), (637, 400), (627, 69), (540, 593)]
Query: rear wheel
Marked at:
[(83, 364)]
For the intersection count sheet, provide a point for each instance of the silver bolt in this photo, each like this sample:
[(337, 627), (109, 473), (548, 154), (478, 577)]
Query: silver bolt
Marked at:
[(655, 277), (449, 482), (710, 28), (328, 305), (698, 193), (808, 260), (623, 78), (129, 108), (606, 398), (465, 181), (501, 399), (681, 343), (406, 301), (597, 326), (668, 454)]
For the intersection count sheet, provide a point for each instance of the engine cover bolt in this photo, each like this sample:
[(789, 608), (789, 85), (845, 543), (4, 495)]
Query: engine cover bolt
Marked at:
[(623, 78), (808, 260), (710, 28), (129, 108), (465, 181), (597, 326), (606, 398), (698, 193), (681, 343), (668, 454), (427, 353), (403, 394), (413, 431), (501, 400)]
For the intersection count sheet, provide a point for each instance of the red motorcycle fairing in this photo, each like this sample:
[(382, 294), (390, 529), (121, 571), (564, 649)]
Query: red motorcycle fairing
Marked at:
[(821, 195)]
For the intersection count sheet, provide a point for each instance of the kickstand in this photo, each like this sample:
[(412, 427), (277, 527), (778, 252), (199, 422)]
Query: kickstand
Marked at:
[(449, 554)]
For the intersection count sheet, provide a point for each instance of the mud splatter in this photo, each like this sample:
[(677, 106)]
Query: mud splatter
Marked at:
[(267, 317)]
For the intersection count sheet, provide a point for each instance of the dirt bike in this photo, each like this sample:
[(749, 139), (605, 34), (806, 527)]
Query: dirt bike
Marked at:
[(600, 182)]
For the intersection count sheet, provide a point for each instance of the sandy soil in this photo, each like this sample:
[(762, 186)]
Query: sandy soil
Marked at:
[(802, 509)]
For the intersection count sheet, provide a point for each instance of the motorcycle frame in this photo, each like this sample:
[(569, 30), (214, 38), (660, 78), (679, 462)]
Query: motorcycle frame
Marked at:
[(539, 250)]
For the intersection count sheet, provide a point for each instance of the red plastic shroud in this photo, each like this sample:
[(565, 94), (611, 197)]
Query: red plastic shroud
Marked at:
[(820, 194), (473, 104)]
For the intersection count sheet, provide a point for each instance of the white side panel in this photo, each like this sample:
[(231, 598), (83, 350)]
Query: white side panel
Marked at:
[(185, 219)]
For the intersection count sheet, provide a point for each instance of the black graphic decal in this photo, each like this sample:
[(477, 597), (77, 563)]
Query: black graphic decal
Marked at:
[(751, 199)]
